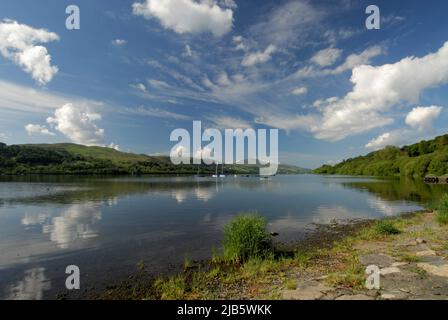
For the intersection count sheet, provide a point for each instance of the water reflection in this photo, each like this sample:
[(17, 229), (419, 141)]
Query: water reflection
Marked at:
[(389, 208), (71, 224), (31, 287), (113, 223)]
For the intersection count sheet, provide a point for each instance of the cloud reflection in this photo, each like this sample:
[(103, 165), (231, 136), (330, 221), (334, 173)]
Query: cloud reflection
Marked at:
[(31, 287), (389, 208), (73, 223)]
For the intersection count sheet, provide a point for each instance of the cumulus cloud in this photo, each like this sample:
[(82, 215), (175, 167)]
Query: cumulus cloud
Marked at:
[(259, 56), (385, 139), (188, 16), (326, 57), (78, 123), (299, 91), (19, 43), (421, 118), (37, 129), (114, 146), (377, 89), (398, 138)]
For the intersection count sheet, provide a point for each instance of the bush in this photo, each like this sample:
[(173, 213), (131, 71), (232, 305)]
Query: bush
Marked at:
[(386, 227), (442, 210), (246, 237)]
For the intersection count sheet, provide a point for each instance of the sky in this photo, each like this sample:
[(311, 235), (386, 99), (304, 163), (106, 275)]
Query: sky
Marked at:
[(138, 69)]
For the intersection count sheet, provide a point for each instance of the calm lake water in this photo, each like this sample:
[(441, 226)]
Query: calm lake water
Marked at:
[(107, 225)]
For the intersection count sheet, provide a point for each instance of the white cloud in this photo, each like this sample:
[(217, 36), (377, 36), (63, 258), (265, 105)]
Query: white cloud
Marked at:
[(259, 56), (299, 91), (288, 24), (78, 123), (119, 42), (326, 57), (376, 90), (352, 61), (188, 16), (139, 86), (333, 36), (226, 3), (240, 43), (383, 140), (421, 118), (18, 42), (157, 113), (355, 60), (398, 138), (37, 129), (114, 146), (225, 122), (16, 98)]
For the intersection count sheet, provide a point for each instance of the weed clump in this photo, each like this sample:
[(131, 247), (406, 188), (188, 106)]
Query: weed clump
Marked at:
[(245, 237)]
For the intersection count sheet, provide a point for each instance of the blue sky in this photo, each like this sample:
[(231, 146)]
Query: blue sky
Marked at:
[(138, 69)]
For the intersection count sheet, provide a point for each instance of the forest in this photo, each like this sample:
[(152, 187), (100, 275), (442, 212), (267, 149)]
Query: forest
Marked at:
[(416, 160)]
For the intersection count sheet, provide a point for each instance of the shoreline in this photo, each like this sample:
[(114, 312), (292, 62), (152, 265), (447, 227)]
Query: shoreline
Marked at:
[(329, 263)]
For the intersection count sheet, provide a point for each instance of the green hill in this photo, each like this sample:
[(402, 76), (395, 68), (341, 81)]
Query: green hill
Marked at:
[(68, 158), (417, 160)]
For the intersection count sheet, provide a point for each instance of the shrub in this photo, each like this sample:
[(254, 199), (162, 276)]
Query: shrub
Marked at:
[(442, 210), (246, 237), (386, 227)]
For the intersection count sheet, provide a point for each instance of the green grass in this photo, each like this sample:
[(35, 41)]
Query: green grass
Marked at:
[(245, 237), (409, 257), (386, 227), (291, 284), (442, 210), (172, 289)]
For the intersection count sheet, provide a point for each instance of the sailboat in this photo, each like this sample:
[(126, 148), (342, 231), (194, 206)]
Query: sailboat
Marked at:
[(216, 174), (222, 175), (197, 174)]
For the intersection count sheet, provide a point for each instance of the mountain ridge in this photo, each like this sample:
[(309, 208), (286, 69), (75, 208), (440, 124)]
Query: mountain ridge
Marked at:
[(71, 158)]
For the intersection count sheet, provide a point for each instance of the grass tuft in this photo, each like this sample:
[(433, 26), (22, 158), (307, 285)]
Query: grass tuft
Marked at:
[(171, 289), (386, 227), (442, 210), (245, 237)]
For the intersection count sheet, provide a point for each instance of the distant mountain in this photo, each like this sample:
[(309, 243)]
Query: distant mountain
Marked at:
[(417, 160), (69, 158)]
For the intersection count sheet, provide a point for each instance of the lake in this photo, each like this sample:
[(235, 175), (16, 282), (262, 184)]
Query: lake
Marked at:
[(106, 226)]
